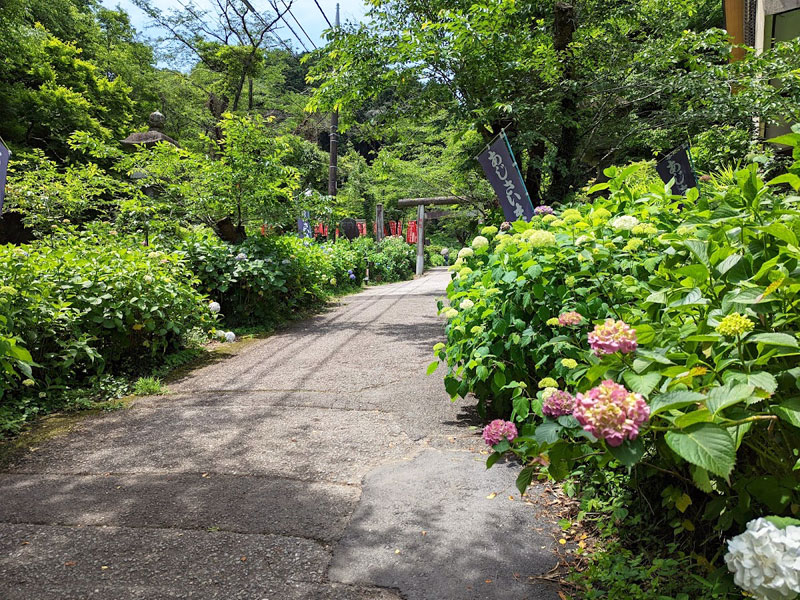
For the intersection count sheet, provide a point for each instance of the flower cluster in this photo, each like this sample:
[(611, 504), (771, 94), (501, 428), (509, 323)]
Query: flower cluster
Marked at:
[(466, 304), (543, 210), (351, 275), (633, 245), (547, 382), (558, 404), (571, 215), (241, 256), (765, 560), (645, 229), (479, 242), (569, 363), (611, 412), (553, 322), (226, 336), (489, 230), (540, 238), (450, 313), (625, 222), (498, 430), (735, 324), (612, 336), (214, 307), (465, 253), (570, 318), (549, 218)]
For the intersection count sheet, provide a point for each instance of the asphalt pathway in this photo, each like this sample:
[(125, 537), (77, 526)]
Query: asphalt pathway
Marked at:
[(318, 463)]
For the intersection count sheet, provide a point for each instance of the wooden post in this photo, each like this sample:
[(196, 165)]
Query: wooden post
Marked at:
[(734, 23), (420, 239), (379, 222)]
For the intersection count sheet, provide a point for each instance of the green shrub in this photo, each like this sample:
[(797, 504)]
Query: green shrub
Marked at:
[(266, 278), (85, 303), (710, 286)]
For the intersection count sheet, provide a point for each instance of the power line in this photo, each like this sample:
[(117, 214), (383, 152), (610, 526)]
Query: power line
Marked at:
[(291, 14), (323, 14), (294, 33), (265, 24)]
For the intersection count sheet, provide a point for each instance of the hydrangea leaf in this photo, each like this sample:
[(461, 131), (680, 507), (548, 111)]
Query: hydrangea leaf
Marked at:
[(629, 453), (673, 401), (706, 445)]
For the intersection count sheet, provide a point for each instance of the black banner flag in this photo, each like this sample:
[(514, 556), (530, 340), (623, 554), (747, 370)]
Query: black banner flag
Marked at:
[(501, 169), (677, 165)]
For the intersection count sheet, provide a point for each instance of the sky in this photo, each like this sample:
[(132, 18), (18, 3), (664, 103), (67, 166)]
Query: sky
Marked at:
[(305, 11)]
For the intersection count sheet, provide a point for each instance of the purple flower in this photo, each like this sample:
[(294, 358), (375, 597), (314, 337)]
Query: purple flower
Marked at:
[(558, 404), (352, 276), (570, 318), (612, 336), (612, 413), (498, 430), (543, 210)]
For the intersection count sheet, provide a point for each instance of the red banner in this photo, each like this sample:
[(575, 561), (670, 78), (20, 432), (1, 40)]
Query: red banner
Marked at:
[(411, 232)]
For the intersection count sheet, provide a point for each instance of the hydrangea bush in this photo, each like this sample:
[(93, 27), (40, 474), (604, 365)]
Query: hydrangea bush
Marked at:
[(675, 356)]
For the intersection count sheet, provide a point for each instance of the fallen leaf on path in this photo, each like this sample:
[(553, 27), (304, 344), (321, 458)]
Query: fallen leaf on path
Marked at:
[(488, 581), (70, 563), (491, 496)]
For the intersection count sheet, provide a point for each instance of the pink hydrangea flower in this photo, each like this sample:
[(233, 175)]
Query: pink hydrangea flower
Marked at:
[(543, 210), (570, 318), (558, 404), (612, 336), (498, 430), (611, 412)]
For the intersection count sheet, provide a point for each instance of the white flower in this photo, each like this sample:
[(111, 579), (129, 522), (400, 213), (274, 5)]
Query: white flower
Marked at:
[(221, 335), (480, 242), (241, 256), (466, 303), (465, 253), (450, 313), (214, 307), (582, 239), (230, 336), (285, 261), (765, 560), (626, 222)]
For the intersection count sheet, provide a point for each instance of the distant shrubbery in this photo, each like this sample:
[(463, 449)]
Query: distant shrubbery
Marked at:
[(80, 305)]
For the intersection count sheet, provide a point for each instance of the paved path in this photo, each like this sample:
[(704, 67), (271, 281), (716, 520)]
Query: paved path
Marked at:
[(320, 463)]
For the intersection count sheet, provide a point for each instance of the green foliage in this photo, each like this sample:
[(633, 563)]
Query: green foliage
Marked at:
[(85, 304), (708, 283), (567, 98), (149, 386)]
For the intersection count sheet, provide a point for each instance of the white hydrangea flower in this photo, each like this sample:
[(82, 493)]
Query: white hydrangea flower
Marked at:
[(466, 303), (765, 560), (214, 307), (626, 222), (465, 253), (221, 335), (582, 239), (480, 242), (285, 261), (450, 313), (241, 256), (230, 336)]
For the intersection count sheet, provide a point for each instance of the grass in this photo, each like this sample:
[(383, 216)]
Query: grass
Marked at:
[(149, 386)]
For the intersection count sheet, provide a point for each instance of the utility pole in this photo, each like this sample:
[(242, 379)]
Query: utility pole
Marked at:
[(334, 151)]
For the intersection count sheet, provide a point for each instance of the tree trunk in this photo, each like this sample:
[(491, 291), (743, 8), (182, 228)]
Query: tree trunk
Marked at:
[(563, 170), (533, 172), (250, 94)]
